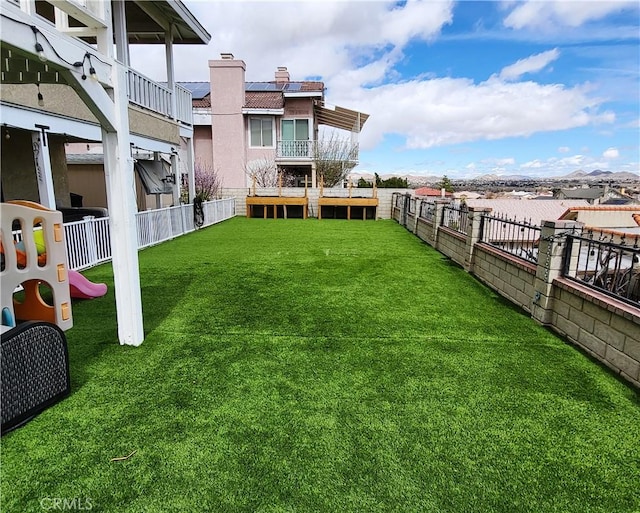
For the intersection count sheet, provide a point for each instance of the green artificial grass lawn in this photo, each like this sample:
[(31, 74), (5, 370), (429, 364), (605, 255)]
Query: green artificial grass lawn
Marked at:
[(324, 366)]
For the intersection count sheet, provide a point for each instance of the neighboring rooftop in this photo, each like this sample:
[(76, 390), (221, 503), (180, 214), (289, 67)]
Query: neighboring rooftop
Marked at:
[(533, 211), (429, 192)]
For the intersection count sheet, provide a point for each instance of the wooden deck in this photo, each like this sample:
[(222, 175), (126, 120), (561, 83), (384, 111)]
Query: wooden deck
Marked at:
[(275, 202), (327, 201)]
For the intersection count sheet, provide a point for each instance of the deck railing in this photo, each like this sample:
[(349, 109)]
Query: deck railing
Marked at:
[(148, 94), (600, 263), (156, 97), (89, 244), (519, 238), (184, 110)]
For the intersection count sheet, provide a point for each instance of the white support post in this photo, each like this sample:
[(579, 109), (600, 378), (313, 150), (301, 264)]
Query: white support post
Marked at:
[(120, 30), (104, 35), (121, 200), (171, 84), (43, 168), (191, 166), (175, 171)]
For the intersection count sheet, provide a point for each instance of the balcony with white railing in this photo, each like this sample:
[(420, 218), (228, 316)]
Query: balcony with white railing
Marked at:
[(298, 150), (333, 149), (145, 93)]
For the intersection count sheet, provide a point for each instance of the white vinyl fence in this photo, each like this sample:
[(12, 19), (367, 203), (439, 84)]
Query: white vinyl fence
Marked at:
[(88, 241)]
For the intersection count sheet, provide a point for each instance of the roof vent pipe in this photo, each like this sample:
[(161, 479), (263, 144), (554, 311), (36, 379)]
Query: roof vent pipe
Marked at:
[(226, 56)]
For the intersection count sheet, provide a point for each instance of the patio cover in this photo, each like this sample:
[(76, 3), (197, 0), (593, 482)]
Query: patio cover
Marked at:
[(339, 117), (153, 173)]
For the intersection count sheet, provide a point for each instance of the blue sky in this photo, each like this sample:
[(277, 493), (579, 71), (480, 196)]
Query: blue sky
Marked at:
[(538, 88)]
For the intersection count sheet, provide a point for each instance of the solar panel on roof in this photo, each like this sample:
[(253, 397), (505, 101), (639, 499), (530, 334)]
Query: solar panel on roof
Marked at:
[(198, 89), (262, 86), (293, 87)]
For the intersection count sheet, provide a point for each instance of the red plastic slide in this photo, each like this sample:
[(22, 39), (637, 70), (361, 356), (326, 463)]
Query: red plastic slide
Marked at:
[(81, 288)]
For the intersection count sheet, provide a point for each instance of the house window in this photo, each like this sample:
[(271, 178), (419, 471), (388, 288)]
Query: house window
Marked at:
[(295, 129), (295, 139), (261, 132)]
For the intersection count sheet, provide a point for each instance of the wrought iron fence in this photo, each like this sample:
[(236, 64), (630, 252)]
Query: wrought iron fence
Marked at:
[(427, 211), (88, 242), (608, 263), (455, 218), (518, 238), (411, 207)]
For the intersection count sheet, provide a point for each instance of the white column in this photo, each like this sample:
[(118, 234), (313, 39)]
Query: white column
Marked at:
[(171, 85), (120, 30), (175, 171), (43, 168), (191, 170), (121, 200)]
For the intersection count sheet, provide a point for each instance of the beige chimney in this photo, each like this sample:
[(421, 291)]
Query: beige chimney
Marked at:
[(282, 75)]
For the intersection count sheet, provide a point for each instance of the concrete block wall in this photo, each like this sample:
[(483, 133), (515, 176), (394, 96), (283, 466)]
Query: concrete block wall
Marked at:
[(608, 330), (509, 276), (425, 230), (452, 244)]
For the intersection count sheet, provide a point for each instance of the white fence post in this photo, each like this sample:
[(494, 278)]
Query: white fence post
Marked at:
[(90, 240)]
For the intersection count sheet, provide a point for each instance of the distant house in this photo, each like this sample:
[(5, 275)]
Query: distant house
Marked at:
[(429, 193), (531, 211), (596, 195), (243, 127), (615, 221)]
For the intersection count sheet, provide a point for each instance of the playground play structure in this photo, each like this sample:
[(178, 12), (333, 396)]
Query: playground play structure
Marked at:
[(33, 260), (35, 361)]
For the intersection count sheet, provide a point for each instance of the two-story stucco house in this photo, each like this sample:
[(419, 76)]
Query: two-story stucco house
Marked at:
[(66, 78), (240, 125)]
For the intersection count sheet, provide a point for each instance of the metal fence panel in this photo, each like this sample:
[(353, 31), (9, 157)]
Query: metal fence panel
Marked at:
[(518, 238), (605, 265)]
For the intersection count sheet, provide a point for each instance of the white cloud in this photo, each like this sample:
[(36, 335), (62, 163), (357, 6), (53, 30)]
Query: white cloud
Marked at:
[(534, 164), (548, 14), (558, 167), (500, 162), (438, 112), (611, 153), (564, 149), (311, 38), (529, 65), (354, 48)]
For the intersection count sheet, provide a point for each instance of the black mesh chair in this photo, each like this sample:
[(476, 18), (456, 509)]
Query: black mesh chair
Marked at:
[(35, 371)]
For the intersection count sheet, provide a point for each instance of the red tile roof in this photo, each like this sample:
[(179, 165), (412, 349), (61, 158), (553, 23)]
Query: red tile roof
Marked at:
[(203, 103), (427, 191), (636, 218), (263, 100)]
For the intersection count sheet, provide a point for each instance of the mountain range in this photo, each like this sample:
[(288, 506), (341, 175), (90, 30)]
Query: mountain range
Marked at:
[(596, 174)]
